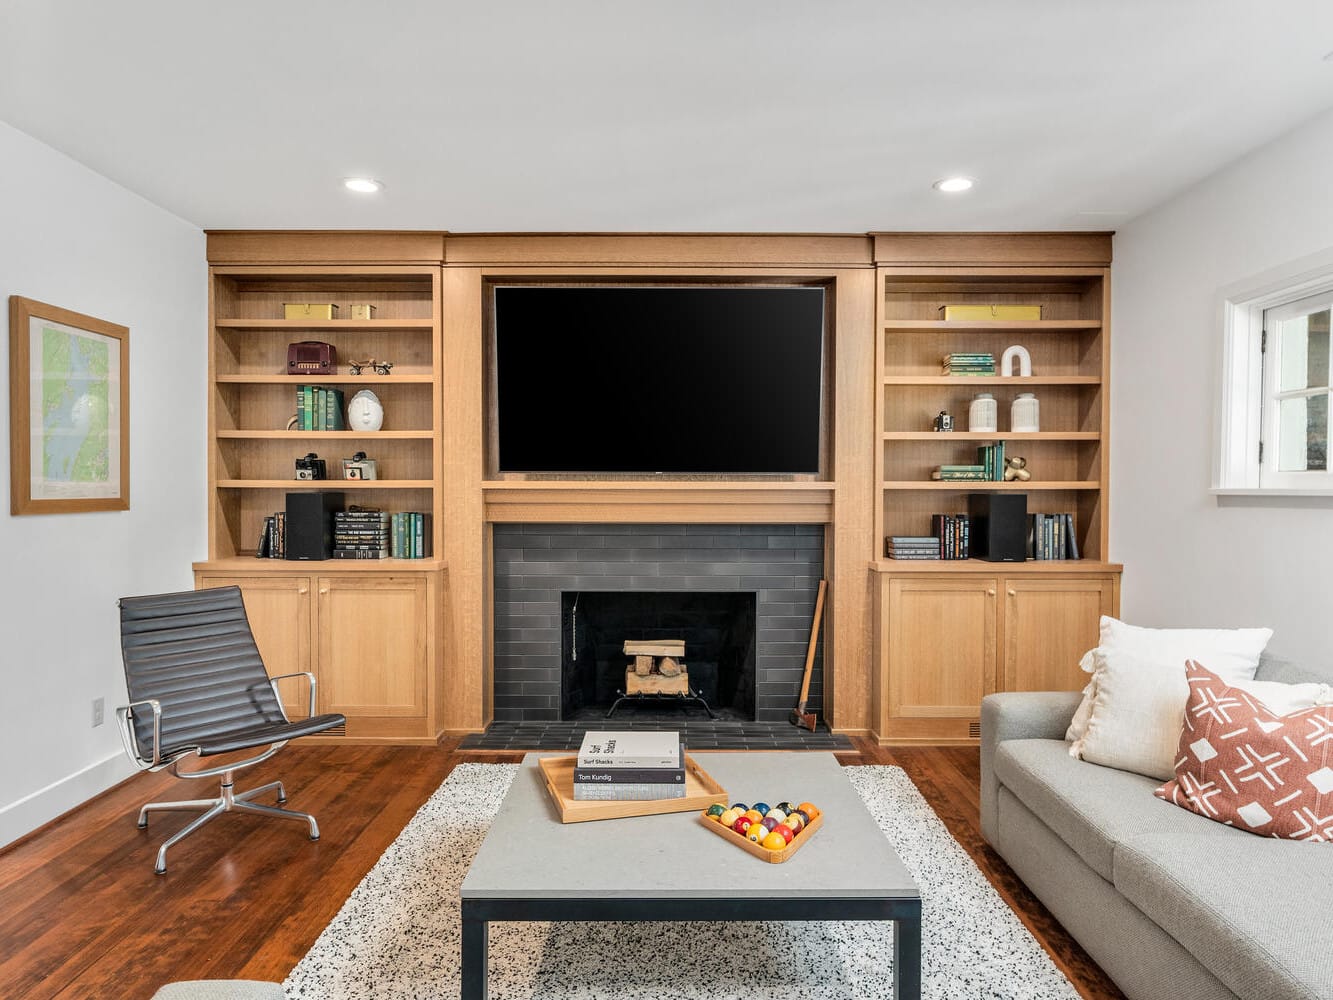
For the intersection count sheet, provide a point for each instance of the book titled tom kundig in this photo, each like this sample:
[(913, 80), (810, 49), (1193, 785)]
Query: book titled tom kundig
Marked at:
[(630, 749)]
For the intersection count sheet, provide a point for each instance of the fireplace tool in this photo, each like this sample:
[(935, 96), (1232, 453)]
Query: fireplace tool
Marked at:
[(799, 716)]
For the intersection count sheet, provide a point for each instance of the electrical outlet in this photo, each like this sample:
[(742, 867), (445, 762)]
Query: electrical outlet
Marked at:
[(99, 711)]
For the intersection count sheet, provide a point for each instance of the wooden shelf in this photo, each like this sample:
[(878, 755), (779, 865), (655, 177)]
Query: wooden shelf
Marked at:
[(978, 326), (325, 484), (416, 378), (1033, 566), (426, 325), (944, 437), (974, 486), (250, 565), (241, 435), (978, 381)]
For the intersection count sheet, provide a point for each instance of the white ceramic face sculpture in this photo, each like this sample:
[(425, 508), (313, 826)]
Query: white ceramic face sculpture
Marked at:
[(364, 412)]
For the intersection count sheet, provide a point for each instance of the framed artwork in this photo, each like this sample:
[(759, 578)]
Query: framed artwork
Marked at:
[(69, 396)]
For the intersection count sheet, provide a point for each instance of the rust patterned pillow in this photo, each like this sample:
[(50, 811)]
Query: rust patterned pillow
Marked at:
[(1242, 765)]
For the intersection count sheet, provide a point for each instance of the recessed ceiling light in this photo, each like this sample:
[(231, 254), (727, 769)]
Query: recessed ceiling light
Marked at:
[(952, 185), (362, 185)]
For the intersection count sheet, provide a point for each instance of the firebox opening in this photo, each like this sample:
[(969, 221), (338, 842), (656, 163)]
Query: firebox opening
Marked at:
[(719, 634)]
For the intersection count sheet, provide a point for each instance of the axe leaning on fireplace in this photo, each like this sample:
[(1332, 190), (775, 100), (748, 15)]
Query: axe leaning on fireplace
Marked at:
[(799, 716)]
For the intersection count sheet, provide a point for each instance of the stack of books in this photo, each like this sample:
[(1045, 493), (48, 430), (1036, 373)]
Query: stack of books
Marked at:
[(969, 364), (991, 457), (410, 535), (361, 534), (320, 409), (1051, 536), (960, 473), (912, 547), (630, 765), (954, 532)]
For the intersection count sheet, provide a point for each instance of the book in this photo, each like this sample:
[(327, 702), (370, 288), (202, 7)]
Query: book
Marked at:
[(265, 539), (1071, 543), (343, 553), (633, 775), (595, 792), (629, 748)]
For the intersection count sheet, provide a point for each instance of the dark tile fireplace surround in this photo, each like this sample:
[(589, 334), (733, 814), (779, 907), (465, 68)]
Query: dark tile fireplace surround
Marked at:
[(741, 595)]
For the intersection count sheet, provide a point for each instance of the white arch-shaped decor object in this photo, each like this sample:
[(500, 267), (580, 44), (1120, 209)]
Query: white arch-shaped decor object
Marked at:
[(1024, 360)]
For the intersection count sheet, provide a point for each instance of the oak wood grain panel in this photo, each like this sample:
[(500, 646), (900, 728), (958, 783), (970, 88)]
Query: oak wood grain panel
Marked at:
[(372, 647), (323, 247), (1048, 625), (1008, 249), (941, 646), (663, 249), (466, 671)]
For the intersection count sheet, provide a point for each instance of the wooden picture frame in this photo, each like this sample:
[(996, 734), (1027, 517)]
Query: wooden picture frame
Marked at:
[(69, 410)]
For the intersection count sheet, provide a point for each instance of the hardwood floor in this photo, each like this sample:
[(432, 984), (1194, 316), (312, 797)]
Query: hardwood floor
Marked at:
[(83, 915)]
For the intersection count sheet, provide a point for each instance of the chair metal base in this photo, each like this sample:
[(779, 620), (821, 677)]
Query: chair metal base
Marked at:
[(227, 801)]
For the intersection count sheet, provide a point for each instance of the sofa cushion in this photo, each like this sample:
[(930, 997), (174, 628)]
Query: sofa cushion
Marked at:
[(1242, 764), (1248, 908), (1091, 808)]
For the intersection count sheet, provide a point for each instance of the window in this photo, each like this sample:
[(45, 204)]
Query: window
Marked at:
[(1276, 385)]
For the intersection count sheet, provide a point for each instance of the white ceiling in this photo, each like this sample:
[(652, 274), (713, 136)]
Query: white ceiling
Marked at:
[(678, 115)]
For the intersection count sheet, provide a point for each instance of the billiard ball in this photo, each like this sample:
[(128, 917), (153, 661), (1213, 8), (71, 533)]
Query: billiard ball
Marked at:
[(805, 817), (768, 822), (795, 822), (809, 809), (755, 815), (777, 814), (784, 831), (786, 807), (756, 833), (740, 807), (716, 810), (728, 817), (775, 841), (742, 824), (762, 808)]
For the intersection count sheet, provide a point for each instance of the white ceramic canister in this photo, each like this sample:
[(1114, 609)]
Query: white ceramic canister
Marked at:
[(1025, 414), (983, 414)]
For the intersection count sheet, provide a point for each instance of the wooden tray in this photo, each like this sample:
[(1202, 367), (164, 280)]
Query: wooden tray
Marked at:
[(701, 791), (759, 851)]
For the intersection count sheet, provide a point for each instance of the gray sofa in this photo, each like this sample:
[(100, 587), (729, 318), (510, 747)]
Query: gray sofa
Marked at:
[(1168, 903)]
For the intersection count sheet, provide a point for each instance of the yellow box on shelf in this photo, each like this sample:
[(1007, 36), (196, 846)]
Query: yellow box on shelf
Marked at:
[(309, 310), (992, 312)]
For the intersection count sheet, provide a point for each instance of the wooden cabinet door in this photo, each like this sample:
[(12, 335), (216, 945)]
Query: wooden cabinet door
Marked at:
[(1048, 626), (372, 646), (941, 646), (279, 611)]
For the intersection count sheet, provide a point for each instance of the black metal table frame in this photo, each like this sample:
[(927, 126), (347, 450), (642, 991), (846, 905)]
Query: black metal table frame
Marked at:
[(905, 914)]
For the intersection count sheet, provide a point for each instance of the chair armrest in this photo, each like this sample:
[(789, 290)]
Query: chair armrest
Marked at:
[(126, 715), (273, 683), (1017, 715)]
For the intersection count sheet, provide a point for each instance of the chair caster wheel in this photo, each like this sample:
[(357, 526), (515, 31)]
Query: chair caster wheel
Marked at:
[(142, 824), (282, 799), (159, 871), (315, 837)]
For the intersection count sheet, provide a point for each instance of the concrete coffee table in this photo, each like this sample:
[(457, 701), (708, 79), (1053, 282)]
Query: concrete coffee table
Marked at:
[(673, 869)]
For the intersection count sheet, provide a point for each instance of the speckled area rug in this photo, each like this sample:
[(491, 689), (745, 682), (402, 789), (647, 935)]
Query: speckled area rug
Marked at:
[(397, 937)]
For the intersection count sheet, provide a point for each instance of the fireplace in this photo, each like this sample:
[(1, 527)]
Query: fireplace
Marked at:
[(567, 597), (717, 627)]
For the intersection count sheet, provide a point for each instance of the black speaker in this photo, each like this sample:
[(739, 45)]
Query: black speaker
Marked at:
[(310, 523), (999, 526)]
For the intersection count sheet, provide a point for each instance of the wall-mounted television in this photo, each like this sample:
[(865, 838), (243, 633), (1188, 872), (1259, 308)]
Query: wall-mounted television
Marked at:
[(659, 379)]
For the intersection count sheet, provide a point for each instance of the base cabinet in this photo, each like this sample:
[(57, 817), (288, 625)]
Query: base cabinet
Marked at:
[(943, 642), (368, 637)]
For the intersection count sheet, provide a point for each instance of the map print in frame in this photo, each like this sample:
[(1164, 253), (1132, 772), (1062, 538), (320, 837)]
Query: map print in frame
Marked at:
[(69, 409)]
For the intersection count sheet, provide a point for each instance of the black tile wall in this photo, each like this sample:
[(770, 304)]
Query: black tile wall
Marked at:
[(534, 563)]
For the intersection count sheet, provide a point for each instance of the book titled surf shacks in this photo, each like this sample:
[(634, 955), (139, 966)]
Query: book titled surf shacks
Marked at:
[(630, 765)]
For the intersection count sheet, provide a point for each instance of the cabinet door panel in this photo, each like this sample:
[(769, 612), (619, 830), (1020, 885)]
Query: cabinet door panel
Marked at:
[(372, 646), (941, 647), (278, 608), (1048, 626)]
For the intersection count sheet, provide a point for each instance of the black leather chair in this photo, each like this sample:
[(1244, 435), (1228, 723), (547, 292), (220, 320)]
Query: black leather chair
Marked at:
[(198, 688)]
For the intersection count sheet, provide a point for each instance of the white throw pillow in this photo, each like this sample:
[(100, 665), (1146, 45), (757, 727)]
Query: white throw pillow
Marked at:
[(1133, 708)]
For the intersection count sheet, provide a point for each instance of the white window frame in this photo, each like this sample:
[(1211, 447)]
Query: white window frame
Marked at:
[(1241, 411)]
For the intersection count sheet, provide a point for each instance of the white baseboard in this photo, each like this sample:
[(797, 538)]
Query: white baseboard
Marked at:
[(45, 804)]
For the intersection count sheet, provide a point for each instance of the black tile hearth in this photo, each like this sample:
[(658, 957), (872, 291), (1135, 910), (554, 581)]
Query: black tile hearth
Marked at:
[(702, 734)]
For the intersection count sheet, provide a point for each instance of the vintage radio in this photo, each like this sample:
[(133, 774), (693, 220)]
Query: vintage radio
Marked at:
[(311, 357)]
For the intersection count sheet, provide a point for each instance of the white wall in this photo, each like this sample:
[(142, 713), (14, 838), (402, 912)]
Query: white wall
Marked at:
[(1189, 558), (74, 239)]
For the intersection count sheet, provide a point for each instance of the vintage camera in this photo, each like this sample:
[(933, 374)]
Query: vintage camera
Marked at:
[(311, 467), (359, 467)]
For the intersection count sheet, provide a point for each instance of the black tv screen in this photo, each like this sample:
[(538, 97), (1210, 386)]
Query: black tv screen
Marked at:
[(638, 379)]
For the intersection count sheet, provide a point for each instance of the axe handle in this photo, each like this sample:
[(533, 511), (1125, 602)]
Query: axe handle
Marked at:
[(814, 641)]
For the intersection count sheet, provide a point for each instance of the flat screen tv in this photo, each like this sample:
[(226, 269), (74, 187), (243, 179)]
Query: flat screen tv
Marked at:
[(659, 379)]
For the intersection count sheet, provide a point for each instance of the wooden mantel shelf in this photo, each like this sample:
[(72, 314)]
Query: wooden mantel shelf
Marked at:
[(653, 501)]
